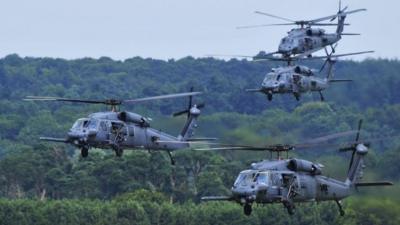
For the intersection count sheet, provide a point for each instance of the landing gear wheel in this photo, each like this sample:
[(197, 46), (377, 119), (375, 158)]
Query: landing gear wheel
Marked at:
[(339, 204), (289, 207), (321, 96), (84, 152), (119, 152), (269, 96), (297, 96), (290, 210), (247, 209)]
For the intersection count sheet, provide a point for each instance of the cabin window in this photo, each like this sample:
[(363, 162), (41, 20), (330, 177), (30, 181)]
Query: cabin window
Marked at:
[(131, 130), (261, 178), (91, 124), (103, 125), (275, 179)]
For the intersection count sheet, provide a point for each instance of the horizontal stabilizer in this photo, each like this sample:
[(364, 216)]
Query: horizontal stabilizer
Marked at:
[(350, 34), (253, 90), (216, 198), (370, 184), (53, 139), (340, 80), (202, 139)]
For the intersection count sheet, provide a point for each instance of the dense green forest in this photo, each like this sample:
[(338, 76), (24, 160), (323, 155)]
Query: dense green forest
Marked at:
[(44, 183)]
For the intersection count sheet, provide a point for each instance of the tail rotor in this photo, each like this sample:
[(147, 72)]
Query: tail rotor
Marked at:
[(353, 146), (187, 111)]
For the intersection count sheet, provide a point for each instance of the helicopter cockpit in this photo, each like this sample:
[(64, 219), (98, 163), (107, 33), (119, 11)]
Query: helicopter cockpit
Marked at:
[(288, 44), (85, 123), (78, 125), (273, 80), (250, 177)]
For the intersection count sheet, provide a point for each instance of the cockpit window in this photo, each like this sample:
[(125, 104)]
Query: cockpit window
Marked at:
[(79, 123), (271, 76), (278, 77), (91, 124), (244, 178)]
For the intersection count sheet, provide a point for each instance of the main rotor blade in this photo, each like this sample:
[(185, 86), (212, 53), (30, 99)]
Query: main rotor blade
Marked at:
[(336, 56), (287, 24), (335, 15), (46, 98), (162, 97), (277, 17), (315, 142), (327, 24), (264, 25)]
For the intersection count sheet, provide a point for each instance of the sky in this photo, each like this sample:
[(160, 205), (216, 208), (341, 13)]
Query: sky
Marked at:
[(165, 29)]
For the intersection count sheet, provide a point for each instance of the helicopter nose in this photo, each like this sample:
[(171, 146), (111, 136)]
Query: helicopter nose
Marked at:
[(245, 194), (272, 86), (245, 191), (81, 136)]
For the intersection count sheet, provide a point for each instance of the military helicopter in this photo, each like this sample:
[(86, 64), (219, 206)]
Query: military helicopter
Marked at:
[(298, 79), (305, 40), (125, 130), (289, 181)]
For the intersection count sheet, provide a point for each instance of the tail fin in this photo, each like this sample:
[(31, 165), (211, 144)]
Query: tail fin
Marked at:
[(341, 19), (330, 63), (193, 112), (190, 125), (340, 27), (341, 15), (355, 172), (359, 150)]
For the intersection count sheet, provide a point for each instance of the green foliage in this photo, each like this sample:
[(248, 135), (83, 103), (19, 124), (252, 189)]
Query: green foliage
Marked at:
[(43, 183), (147, 211)]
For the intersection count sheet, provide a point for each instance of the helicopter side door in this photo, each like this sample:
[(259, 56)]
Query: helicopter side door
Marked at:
[(275, 189), (103, 133), (118, 133)]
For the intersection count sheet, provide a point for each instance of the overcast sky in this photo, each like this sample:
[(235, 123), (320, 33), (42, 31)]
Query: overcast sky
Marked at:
[(167, 29)]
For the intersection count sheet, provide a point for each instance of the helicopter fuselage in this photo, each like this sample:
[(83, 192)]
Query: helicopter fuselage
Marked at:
[(292, 79), (107, 130), (306, 40), (278, 184)]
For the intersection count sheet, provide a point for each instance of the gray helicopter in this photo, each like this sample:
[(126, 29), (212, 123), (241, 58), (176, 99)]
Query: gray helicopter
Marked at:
[(290, 181), (125, 130), (298, 79), (305, 40)]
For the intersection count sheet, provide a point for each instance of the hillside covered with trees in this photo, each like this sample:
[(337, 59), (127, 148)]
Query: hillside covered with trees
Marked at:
[(41, 183)]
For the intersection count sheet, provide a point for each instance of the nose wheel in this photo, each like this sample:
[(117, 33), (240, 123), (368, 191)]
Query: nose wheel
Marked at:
[(118, 152), (297, 95), (269, 96), (289, 207), (247, 209), (84, 152)]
